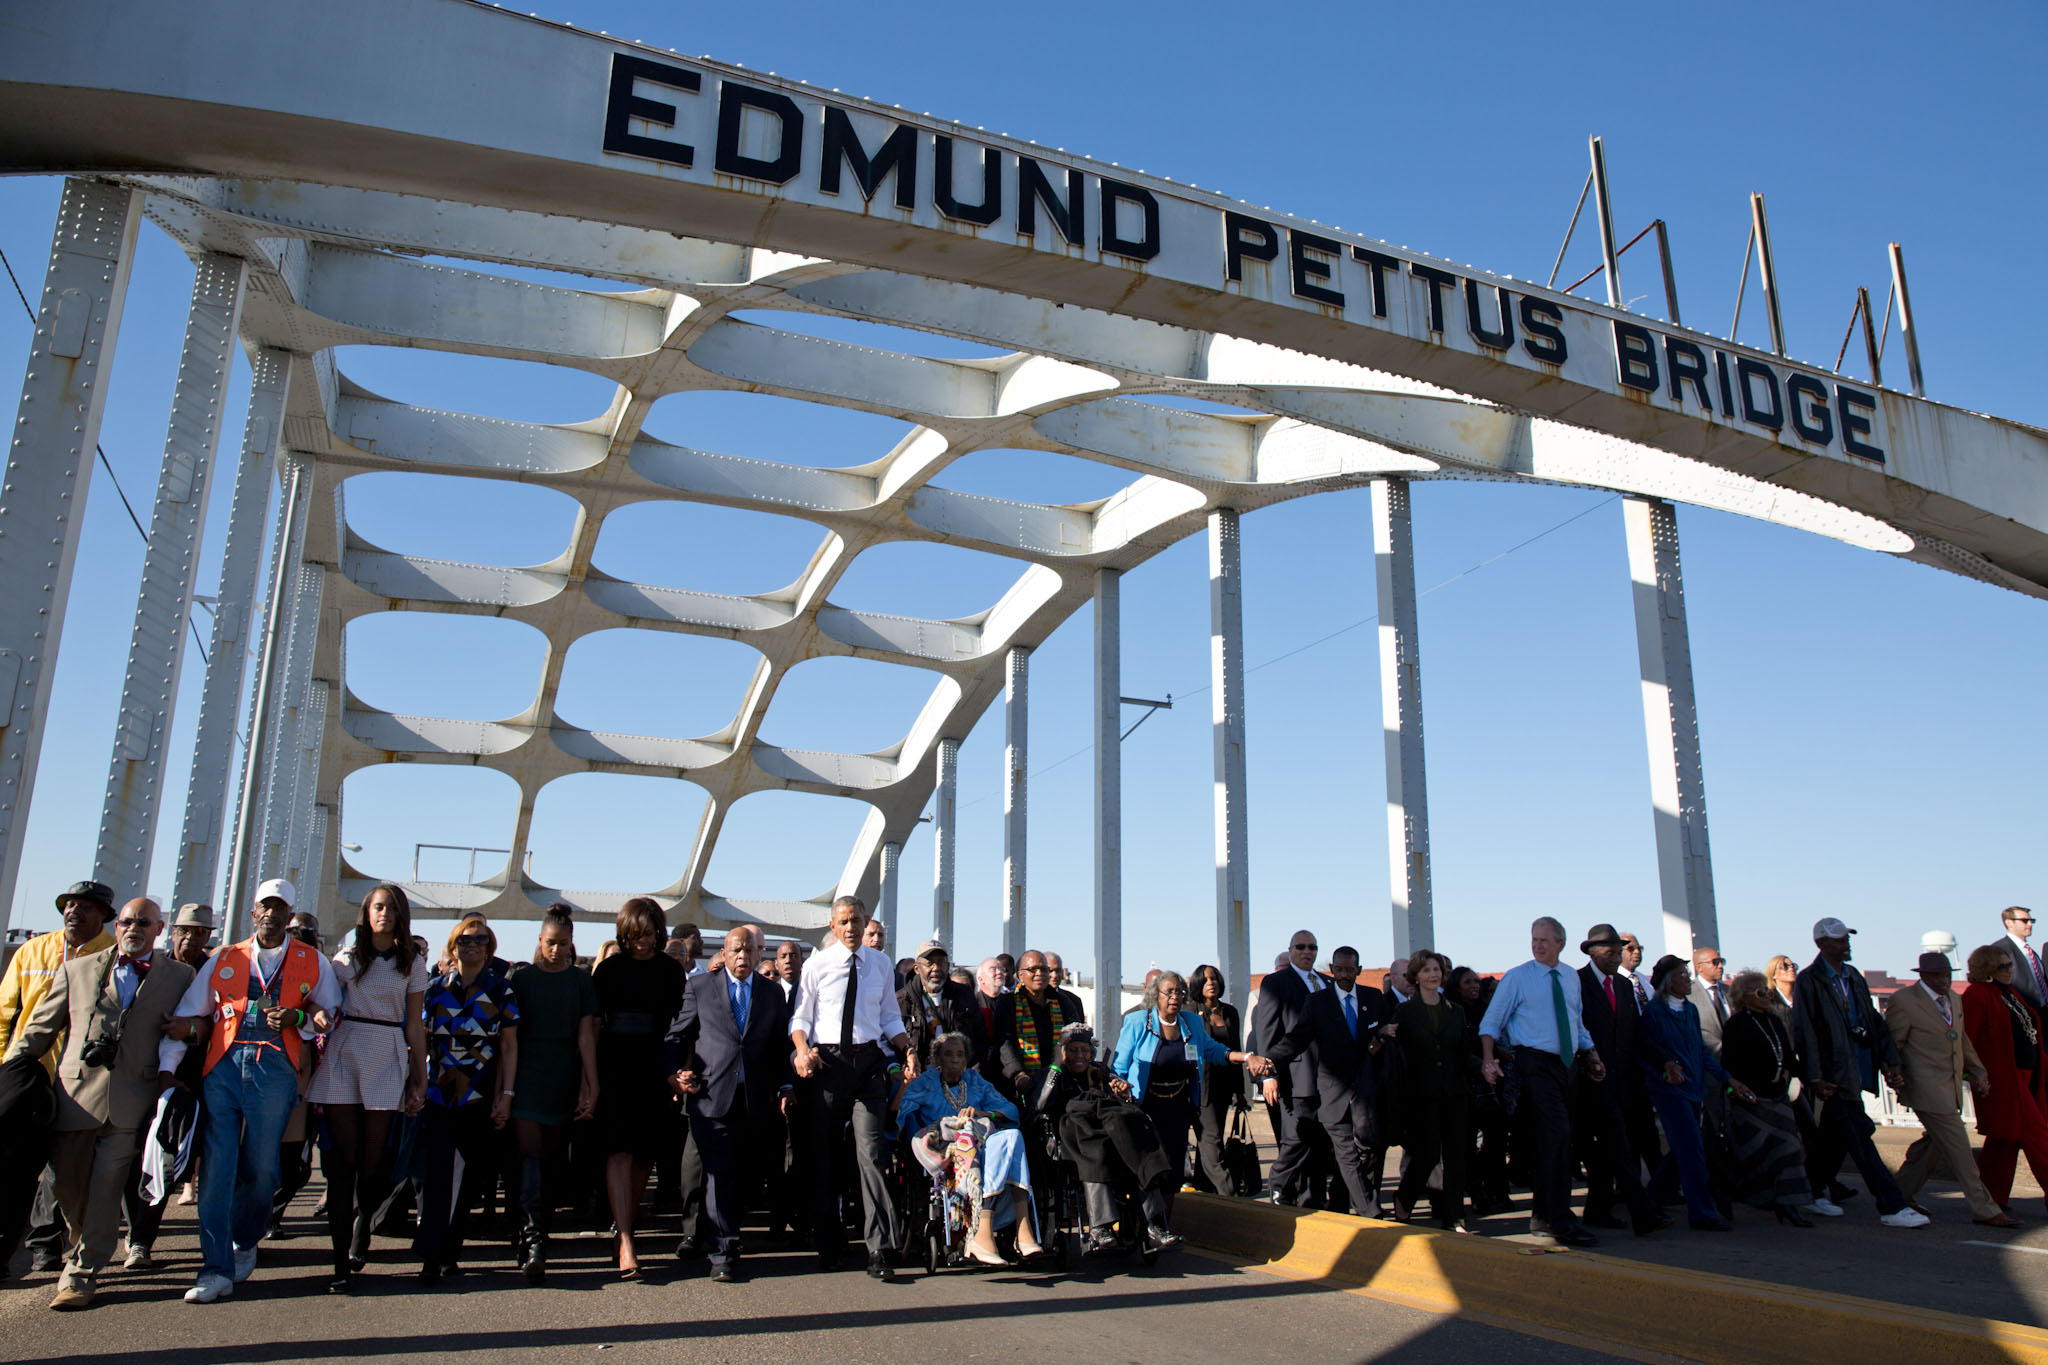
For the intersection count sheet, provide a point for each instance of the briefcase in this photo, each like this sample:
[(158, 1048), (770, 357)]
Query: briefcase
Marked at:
[(1241, 1154)]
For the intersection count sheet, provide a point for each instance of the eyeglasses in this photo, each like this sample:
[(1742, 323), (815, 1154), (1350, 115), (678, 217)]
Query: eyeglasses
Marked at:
[(1173, 994), (130, 922), (1717, 961), (472, 940), (1301, 948), (1033, 971)]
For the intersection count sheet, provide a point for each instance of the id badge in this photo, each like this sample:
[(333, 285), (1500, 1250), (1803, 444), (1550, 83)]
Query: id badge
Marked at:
[(1190, 1051)]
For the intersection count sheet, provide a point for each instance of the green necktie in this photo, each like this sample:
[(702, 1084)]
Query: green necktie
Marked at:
[(1564, 1018)]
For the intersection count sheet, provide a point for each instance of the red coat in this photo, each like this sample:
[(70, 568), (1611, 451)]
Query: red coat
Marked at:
[(1989, 1024)]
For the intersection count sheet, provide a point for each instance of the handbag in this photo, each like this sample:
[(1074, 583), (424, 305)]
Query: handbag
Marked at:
[(1241, 1154)]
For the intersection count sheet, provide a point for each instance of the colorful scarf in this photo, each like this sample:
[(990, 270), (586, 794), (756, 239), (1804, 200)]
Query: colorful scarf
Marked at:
[(1028, 1041)]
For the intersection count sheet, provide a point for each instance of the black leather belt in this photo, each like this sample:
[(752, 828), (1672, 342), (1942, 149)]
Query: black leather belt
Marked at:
[(381, 1023)]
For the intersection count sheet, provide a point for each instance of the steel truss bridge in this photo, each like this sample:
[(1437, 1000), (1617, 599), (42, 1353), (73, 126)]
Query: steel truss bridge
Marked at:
[(307, 193)]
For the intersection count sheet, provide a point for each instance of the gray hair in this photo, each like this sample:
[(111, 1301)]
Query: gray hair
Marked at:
[(1747, 980), (1159, 984), (1546, 922), (952, 1036)]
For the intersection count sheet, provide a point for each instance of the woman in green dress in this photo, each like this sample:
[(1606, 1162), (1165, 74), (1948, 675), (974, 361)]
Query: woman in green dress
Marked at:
[(557, 1073)]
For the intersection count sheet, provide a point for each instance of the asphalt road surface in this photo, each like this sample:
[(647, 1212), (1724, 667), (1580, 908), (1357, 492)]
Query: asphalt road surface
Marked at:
[(1187, 1304)]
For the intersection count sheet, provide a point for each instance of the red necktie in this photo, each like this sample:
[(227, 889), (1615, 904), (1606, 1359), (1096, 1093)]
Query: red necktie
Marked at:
[(1608, 982), (2035, 963), (140, 964)]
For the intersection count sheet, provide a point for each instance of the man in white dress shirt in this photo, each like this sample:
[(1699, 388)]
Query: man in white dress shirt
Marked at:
[(839, 1037)]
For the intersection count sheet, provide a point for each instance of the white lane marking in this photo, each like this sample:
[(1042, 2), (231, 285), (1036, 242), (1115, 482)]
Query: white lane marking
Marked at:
[(2009, 1246)]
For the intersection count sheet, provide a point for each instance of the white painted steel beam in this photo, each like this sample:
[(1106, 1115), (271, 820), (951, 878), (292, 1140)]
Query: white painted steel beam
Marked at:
[(891, 873), (210, 790), (1400, 639), (285, 751), (945, 835), (1226, 719), (1678, 796), (170, 566), (1109, 798), (1016, 755), (49, 469)]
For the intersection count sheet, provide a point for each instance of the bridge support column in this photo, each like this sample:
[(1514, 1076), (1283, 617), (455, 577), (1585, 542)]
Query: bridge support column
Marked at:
[(1393, 544), (885, 898), (170, 564), (1016, 686), (209, 789), (1678, 797), (1109, 798), (945, 814), (49, 469), (1226, 716)]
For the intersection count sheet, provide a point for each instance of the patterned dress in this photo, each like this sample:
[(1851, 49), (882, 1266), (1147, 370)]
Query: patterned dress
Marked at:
[(462, 1035), (366, 1058)]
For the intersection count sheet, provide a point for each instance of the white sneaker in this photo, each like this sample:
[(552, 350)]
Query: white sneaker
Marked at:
[(209, 1288), (1826, 1208), (245, 1263), (1905, 1218), (138, 1258)]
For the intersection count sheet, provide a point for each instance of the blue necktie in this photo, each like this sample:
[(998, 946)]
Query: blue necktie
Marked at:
[(739, 1004), (1351, 1013)]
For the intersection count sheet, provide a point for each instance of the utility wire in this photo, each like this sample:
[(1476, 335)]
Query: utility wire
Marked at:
[(1346, 630), (101, 451)]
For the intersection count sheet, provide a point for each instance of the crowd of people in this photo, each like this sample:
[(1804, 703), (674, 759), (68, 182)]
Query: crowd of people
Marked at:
[(817, 1087)]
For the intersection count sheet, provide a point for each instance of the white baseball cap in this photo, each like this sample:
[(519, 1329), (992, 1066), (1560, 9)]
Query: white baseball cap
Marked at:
[(276, 889), (1830, 928)]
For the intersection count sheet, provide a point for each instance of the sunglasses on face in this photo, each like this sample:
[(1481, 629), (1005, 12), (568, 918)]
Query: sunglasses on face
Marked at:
[(132, 923), (472, 941)]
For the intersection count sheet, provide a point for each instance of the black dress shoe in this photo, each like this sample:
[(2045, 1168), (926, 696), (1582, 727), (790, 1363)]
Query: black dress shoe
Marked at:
[(689, 1249), (1574, 1236), (878, 1269), (430, 1274), (1162, 1238), (1605, 1222), (724, 1272)]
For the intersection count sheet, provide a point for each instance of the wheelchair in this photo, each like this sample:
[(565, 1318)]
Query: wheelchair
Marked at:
[(933, 1226), (1062, 1205)]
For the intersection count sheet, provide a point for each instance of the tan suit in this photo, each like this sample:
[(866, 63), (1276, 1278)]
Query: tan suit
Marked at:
[(100, 1109), (1935, 1054)]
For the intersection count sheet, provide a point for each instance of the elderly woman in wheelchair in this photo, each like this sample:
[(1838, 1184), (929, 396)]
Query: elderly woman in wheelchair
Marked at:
[(964, 1134)]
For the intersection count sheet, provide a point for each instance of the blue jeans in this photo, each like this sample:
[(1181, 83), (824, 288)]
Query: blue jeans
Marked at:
[(250, 1095)]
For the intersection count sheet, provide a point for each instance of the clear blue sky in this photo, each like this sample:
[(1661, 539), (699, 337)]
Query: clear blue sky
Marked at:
[(1873, 730)]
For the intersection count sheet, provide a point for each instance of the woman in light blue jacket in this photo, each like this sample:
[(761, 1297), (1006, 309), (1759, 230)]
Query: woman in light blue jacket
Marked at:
[(1160, 1055)]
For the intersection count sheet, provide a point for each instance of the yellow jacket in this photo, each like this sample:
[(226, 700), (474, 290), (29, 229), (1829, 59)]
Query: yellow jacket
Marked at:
[(30, 973)]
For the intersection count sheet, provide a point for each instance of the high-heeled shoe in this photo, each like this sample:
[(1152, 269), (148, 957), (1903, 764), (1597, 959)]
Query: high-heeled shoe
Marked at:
[(1787, 1214)]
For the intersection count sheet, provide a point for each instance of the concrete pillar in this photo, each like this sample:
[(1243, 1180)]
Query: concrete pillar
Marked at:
[(170, 566), (210, 788), (945, 815), (1678, 795), (49, 469), (1016, 686), (1226, 694), (1109, 798), (1393, 545), (885, 899)]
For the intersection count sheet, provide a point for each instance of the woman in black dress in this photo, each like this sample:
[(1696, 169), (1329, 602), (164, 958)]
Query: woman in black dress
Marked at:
[(1223, 1084), (1756, 1049), (639, 990)]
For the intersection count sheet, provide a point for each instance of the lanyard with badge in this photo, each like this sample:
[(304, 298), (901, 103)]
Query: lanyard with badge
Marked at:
[(261, 994)]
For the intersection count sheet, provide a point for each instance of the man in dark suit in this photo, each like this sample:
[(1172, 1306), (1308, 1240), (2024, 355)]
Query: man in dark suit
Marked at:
[(1340, 1029), (730, 1051), (789, 970), (2028, 978), (1605, 1116), (933, 1003), (1291, 1092)]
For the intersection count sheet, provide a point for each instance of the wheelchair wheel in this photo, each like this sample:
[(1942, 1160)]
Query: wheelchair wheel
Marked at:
[(934, 1250)]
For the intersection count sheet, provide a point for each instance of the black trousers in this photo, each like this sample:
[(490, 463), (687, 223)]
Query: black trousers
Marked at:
[(1434, 1130), (1301, 1139), (1354, 1144), (464, 1130), (1546, 1115), (723, 1145), (851, 1086), (1600, 1131), (690, 1172), (1845, 1131), (1213, 1127)]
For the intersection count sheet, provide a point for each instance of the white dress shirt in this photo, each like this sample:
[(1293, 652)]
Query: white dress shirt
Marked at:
[(822, 1001), (1313, 981)]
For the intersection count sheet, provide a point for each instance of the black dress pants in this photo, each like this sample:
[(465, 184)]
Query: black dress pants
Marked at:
[(851, 1085), (1546, 1115), (1601, 1133), (1301, 1139), (722, 1145)]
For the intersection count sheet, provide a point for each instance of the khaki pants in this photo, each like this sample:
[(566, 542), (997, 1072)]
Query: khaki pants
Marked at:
[(1944, 1141), (92, 1170)]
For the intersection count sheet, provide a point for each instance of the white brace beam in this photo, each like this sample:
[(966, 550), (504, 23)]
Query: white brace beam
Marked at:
[(945, 836), (170, 566), (1226, 716), (1109, 798), (1678, 793), (1016, 754), (210, 788), (49, 469), (1393, 544)]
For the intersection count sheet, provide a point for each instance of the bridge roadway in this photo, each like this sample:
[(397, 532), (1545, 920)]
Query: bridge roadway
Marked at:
[(783, 1312)]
